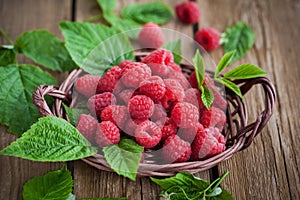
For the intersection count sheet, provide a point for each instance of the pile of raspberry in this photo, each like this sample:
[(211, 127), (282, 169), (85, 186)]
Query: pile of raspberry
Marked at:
[(154, 103)]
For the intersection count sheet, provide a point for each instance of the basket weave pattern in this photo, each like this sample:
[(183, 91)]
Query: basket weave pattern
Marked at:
[(238, 133)]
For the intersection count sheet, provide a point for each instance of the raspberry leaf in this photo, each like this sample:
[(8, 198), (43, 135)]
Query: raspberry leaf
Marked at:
[(245, 71), (207, 97), (107, 6), (124, 158), (224, 62), (7, 55), (51, 139), (232, 86), (239, 37), (53, 185), (175, 48), (74, 113), (155, 12), (199, 68), (46, 49), (17, 83)]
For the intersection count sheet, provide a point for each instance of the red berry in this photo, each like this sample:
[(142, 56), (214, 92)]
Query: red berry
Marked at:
[(189, 134), (174, 67), (87, 126), (87, 85), (176, 150), (107, 133), (99, 101), (116, 114), (214, 117), (207, 143), (148, 134), (185, 115), (219, 101), (125, 96), (174, 93), (154, 87), (193, 80), (179, 76), (151, 36), (158, 61), (188, 12), (193, 96), (109, 80), (207, 81), (208, 38), (158, 113), (124, 63), (140, 107), (168, 128), (130, 126), (135, 73)]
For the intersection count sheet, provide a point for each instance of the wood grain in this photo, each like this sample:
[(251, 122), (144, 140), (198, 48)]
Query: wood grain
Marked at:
[(16, 18)]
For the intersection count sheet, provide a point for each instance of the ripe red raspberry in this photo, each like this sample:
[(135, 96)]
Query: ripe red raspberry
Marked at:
[(116, 114), (158, 61), (99, 101), (193, 96), (214, 117), (179, 76), (193, 80), (87, 126), (174, 93), (158, 113), (219, 101), (107, 133), (154, 87), (130, 126), (174, 67), (124, 63), (108, 81), (125, 96), (135, 73), (168, 128), (207, 81), (151, 36), (87, 85), (185, 115), (189, 134), (176, 150), (140, 107), (148, 134), (188, 12), (207, 143), (208, 38)]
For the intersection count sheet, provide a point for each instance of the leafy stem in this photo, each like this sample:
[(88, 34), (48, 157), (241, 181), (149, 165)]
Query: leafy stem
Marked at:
[(2, 32)]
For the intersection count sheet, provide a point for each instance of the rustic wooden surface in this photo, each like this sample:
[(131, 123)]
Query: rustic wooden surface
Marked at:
[(268, 169)]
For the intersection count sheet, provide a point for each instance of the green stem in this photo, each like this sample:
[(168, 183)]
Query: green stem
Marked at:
[(218, 181), (2, 32)]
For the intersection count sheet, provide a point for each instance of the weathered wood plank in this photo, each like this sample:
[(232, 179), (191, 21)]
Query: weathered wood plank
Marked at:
[(16, 18), (269, 168)]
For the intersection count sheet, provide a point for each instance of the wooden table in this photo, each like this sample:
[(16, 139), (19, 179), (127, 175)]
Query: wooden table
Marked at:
[(268, 169)]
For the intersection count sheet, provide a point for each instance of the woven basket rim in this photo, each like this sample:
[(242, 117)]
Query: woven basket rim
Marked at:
[(239, 133)]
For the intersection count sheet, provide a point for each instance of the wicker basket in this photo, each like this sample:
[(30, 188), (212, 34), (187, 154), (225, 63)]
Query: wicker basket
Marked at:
[(238, 132)]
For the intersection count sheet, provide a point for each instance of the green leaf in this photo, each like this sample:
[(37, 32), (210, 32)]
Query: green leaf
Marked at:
[(245, 71), (224, 62), (232, 86), (217, 191), (199, 68), (46, 49), (53, 185), (17, 83), (7, 55), (225, 195), (51, 139), (74, 113), (124, 158), (175, 48), (207, 97), (239, 37), (104, 198), (155, 12), (107, 6)]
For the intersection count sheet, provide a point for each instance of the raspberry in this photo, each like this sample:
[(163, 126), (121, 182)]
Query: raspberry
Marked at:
[(116, 114), (188, 12), (208, 38), (193, 80), (125, 96), (158, 61), (207, 143), (87, 126), (124, 63), (214, 117), (174, 93), (99, 101), (147, 134), (158, 113), (219, 101), (193, 96), (174, 67), (87, 85), (107, 133), (154, 87), (109, 79), (207, 80), (189, 134), (130, 126), (135, 73), (151, 36), (140, 107), (176, 150), (168, 128), (179, 76), (185, 115)]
